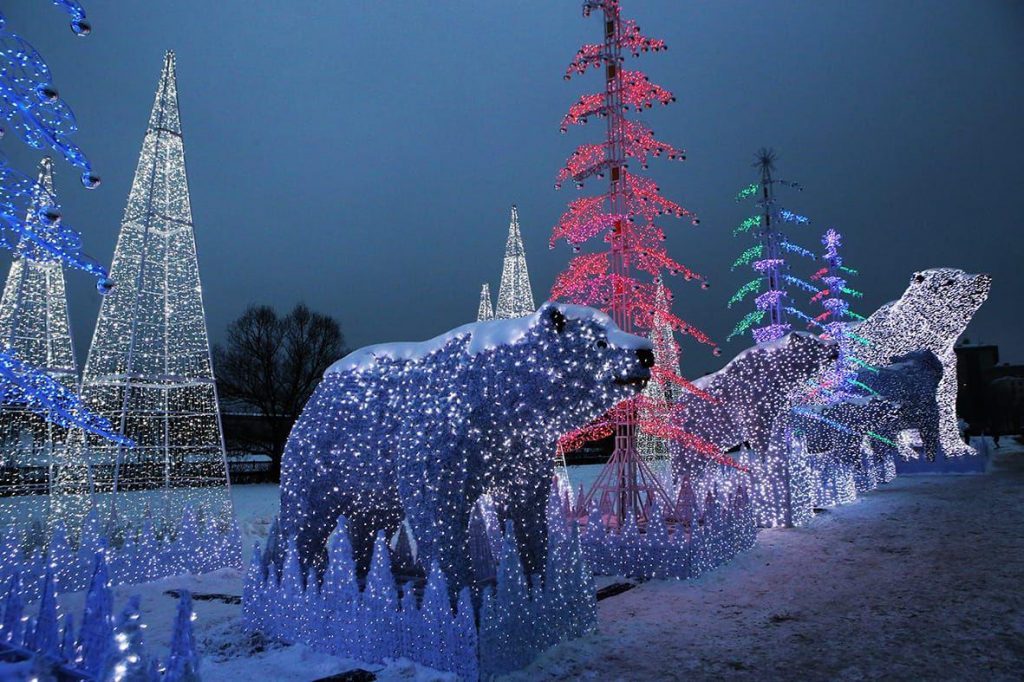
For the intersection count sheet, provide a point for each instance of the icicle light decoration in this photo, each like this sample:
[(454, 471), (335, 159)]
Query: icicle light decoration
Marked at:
[(520, 616)]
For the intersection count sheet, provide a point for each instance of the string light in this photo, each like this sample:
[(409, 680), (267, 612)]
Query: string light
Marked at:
[(485, 311), (931, 314), (38, 406), (421, 431), (31, 104), (149, 369), (838, 409), (32, 380), (752, 397), (515, 296), (624, 218), (519, 617), (767, 256), (105, 648)]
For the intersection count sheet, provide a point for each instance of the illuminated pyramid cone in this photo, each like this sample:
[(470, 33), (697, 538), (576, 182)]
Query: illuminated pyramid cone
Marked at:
[(662, 392), (149, 369), (515, 297), (486, 309), (34, 328)]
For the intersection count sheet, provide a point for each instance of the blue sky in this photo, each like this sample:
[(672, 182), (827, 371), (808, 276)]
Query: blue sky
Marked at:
[(362, 156)]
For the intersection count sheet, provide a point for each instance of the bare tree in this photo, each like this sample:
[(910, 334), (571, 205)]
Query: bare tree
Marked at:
[(273, 364)]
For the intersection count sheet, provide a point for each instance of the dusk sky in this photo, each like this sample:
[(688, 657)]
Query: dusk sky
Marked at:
[(362, 156)]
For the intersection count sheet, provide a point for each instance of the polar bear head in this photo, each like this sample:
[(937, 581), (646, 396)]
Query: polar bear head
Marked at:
[(571, 364), (946, 297)]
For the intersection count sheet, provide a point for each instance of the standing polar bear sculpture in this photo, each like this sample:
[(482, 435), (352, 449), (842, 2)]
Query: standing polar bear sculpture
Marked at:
[(931, 315), (416, 433)]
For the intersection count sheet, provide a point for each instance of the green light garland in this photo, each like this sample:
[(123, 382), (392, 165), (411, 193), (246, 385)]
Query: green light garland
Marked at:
[(747, 322), (748, 256), (748, 191), (863, 364), (746, 225), (748, 288), (858, 339), (864, 387), (882, 438)]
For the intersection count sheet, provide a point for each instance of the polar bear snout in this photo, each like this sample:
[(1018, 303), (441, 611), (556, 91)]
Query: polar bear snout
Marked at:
[(640, 373)]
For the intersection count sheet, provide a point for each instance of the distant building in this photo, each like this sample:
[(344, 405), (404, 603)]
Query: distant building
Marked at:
[(991, 395), (973, 361)]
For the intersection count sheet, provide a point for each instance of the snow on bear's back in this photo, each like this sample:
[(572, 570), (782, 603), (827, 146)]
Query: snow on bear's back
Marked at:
[(476, 338)]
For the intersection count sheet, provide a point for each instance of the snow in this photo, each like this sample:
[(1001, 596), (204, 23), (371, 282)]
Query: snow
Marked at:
[(919, 579), (483, 336)]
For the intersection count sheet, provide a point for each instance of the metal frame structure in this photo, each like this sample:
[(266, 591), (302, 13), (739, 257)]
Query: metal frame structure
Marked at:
[(35, 327), (626, 485), (149, 368)]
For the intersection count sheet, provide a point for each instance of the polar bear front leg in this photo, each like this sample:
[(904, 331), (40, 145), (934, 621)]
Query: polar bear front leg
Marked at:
[(526, 506), (438, 514)]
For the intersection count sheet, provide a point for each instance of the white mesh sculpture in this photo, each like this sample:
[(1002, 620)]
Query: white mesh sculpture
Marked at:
[(931, 315), (750, 403)]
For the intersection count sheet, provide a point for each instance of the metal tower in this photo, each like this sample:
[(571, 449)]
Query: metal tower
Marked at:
[(34, 327), (624, 217), (515, 296), (149, 369)]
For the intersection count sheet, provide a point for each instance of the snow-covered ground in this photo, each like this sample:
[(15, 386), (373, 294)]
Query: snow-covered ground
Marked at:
[(918, 579)]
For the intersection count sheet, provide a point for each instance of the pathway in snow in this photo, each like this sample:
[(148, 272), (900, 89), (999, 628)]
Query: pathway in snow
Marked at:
[(920, 579)]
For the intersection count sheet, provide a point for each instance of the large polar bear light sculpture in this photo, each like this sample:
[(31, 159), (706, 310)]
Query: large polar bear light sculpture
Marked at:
[(416, 432), (932, 314)]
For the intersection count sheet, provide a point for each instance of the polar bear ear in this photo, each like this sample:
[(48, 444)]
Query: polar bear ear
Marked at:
[(918, 279), (554, 318)]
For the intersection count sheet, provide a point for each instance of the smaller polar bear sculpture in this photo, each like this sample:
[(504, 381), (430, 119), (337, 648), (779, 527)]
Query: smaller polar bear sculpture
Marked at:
[(931, 315), (752, 398), (902, 397), (415, 433)]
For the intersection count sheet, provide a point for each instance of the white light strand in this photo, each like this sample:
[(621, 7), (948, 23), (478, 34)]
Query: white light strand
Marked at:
[(35, 327), (149, 369), (485, 311), (931, 314)]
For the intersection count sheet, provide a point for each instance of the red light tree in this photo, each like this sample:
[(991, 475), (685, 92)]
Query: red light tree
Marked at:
[(624, 217)]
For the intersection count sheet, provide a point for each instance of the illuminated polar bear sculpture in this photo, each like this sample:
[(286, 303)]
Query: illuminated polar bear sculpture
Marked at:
[(932, 314), (903, 397), (753, 395), (417, 432)]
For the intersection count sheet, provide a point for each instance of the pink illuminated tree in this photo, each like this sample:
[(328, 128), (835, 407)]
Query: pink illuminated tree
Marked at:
[(623, 279)]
